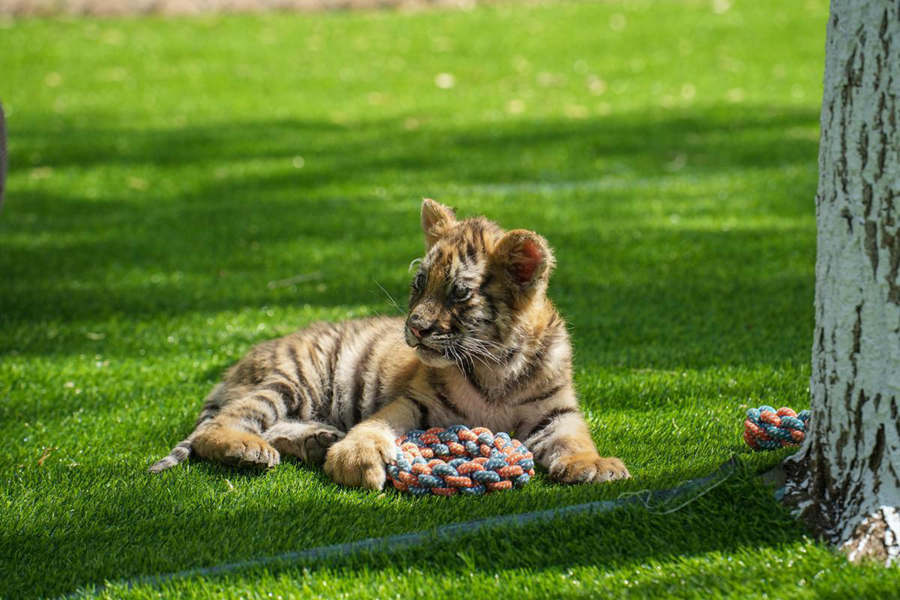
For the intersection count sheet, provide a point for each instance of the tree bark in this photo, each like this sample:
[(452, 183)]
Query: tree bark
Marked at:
[(845, 480)]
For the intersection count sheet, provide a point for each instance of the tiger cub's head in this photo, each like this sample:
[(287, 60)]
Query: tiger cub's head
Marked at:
[(475, 289)]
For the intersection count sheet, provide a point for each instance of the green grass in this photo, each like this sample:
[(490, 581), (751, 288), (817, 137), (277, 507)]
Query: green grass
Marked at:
[(167, 176)]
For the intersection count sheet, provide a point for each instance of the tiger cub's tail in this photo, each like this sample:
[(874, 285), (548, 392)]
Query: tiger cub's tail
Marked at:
[(182, 451), (178, 455)]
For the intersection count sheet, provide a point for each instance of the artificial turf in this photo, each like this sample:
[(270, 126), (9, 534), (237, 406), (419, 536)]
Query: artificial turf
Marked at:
[(182, 188)]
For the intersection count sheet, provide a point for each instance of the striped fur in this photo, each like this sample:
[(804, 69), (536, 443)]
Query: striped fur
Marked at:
[(481, 344)]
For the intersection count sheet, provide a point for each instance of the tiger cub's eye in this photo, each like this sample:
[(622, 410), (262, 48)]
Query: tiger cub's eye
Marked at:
[(460, 294)]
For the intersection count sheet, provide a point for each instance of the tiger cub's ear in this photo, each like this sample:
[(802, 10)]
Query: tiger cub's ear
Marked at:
[(437, 220), (525, 257)]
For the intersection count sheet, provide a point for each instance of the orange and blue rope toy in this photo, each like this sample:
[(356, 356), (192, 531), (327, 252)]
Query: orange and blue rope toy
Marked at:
[(458, 460), (768, 429)]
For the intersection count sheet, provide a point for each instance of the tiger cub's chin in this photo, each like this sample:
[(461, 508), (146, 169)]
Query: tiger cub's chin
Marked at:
[(433, 358), (341, 392)]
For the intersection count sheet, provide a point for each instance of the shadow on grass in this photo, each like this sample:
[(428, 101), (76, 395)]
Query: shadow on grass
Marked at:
[(694, 305), (219, 243), (722, 520), (710, 138), (176, 534)]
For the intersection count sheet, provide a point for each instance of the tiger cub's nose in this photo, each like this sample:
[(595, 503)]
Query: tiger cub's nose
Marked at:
[(418, 326)]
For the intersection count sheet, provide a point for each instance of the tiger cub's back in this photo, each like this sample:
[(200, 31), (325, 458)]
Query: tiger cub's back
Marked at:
[(335, 373)]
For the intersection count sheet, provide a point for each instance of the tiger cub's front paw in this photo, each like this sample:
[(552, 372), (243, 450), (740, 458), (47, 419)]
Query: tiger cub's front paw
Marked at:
[(359, 459), (587, 467)]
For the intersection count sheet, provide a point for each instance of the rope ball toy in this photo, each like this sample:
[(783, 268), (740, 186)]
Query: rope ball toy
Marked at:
[(451, 460), (769, 429)]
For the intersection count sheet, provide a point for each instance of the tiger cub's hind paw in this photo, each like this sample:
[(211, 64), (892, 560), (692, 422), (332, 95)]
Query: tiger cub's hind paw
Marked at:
[(307, 441), (235, 447)]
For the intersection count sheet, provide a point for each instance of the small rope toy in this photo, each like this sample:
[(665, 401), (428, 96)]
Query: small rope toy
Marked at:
[(768, 429), (456, 459)]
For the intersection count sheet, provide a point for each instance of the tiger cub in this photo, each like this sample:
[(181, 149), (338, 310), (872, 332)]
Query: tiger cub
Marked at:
[(481, 345)]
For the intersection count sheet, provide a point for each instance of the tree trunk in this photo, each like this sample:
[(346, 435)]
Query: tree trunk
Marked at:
[(845, 480)]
